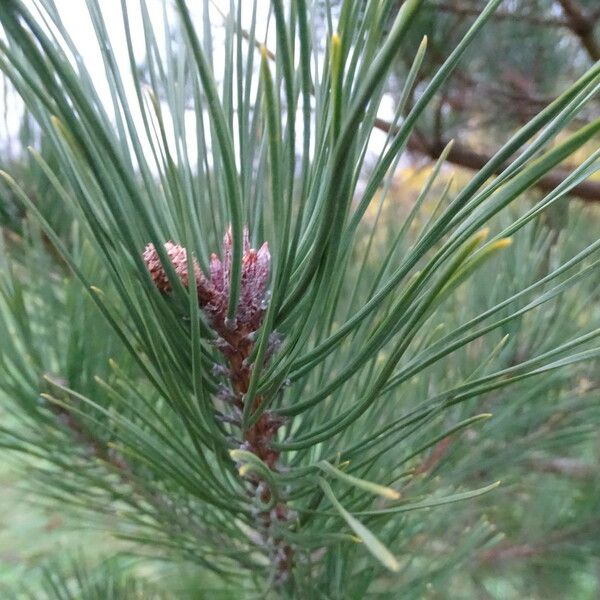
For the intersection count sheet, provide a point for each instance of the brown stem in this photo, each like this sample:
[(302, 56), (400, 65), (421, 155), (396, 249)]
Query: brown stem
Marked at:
[(435, 457), (257, 440), (92, 444), (176, 522)]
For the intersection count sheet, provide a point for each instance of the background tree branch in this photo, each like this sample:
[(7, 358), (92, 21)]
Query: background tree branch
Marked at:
[(463, 156), (499, 15), (582, 25)]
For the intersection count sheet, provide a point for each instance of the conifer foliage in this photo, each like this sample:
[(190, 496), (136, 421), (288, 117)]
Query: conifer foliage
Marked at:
[(282, 418)]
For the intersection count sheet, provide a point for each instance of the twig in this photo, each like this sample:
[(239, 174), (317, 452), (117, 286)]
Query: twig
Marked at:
[(582, 25), (437, 454)]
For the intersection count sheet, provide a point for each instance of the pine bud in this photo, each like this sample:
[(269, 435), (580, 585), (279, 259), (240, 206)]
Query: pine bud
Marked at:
[(255, 277), (178, 256), (213, 292)]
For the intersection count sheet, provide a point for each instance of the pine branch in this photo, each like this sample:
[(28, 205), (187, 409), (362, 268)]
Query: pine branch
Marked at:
[(91, 444), (293, 386), (94, 446)]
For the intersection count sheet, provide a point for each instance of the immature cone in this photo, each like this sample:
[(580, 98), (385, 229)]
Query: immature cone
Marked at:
[(178, 257), (213, 292), (255, 276)]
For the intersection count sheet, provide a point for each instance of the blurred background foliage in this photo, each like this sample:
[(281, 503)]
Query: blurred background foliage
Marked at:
[(530, 50), (544, 444)]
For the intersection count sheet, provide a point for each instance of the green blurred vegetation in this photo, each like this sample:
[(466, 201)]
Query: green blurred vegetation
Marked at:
[(535, 537)]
